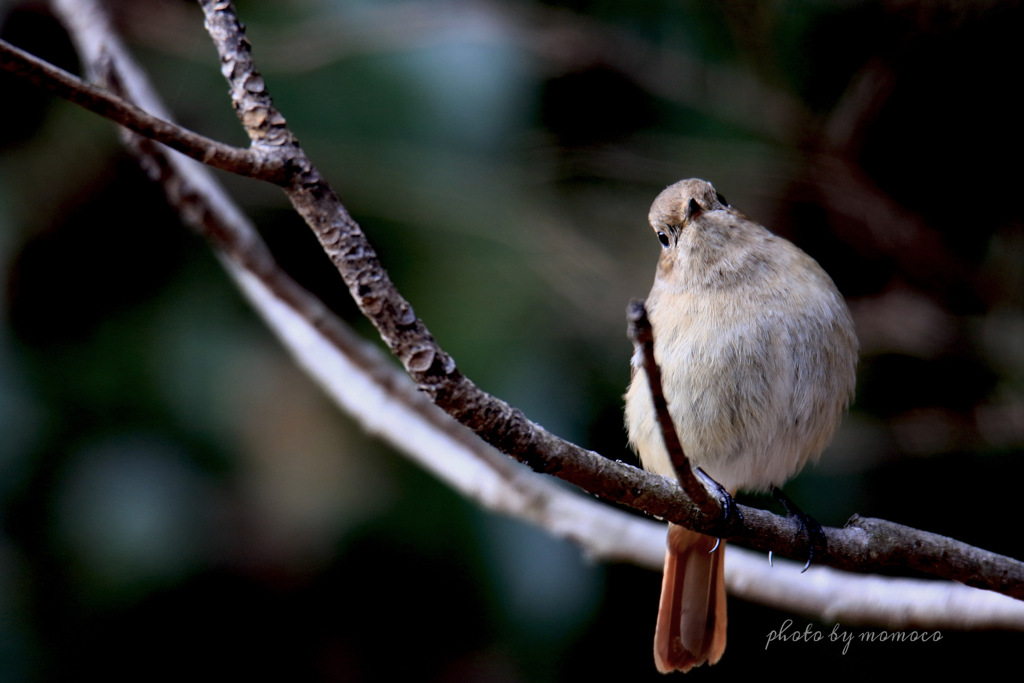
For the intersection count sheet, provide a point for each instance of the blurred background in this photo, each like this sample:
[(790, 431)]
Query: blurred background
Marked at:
[(176, 498)]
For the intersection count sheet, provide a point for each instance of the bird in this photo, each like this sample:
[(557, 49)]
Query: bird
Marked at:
[(758, 357)]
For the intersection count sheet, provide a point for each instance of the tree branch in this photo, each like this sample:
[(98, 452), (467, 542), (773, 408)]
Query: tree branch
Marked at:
[(865, 545), (59, 82)]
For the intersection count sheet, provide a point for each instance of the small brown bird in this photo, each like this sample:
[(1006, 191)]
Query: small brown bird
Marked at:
[(758, 358)]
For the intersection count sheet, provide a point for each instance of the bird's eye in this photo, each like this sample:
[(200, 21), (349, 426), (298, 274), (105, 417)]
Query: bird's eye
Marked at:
[(722, 200), (663, 238)]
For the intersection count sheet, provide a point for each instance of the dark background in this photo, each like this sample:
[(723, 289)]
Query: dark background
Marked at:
[(177, 499)]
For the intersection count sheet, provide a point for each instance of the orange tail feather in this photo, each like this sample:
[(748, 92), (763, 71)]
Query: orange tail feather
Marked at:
[(691, 616)]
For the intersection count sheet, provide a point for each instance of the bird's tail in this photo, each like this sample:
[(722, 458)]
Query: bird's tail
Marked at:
[(691, 616)]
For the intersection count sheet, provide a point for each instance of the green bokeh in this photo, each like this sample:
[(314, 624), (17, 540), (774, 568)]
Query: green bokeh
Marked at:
[(177, 497)]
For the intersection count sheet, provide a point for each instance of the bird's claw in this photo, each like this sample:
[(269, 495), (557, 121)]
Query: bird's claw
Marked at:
[(815, 534), (728, 504)]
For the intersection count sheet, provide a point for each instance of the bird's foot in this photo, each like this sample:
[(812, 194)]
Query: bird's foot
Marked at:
[(816, 542), (730, 511)]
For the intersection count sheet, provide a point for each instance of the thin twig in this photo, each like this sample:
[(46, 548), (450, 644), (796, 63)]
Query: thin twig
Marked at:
[(106, 104), (643, 339)]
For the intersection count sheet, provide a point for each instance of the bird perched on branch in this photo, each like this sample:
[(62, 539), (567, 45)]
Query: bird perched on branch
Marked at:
[(758, 356)]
